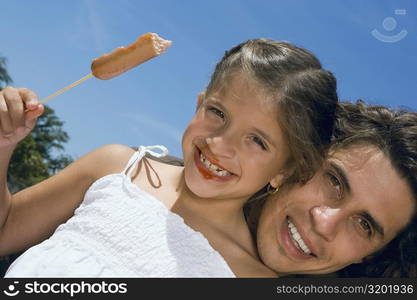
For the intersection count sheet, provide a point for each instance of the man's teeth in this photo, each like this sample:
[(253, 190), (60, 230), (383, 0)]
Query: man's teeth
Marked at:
[(297, 238), (212, 167)]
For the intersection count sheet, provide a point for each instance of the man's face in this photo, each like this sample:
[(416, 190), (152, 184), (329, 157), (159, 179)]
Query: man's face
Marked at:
[(351, 208)]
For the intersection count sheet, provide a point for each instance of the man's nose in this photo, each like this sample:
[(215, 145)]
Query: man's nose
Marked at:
[(326, 221), (221, 146)]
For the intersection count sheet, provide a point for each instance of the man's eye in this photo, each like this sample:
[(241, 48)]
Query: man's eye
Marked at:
[(365, 226), (216, 111), (259, 141)]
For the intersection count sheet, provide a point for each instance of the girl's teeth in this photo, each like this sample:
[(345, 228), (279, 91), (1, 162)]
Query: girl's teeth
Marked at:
[(297, 238), (215, 169)]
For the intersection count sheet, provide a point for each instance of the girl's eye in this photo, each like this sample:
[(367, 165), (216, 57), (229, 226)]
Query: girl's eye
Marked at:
[(259, 141), (216, 111), (336, 184)]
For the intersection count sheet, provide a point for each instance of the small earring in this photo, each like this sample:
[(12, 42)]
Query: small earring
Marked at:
[(271, 191)]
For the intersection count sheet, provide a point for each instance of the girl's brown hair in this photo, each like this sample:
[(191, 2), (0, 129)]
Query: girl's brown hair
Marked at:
[(303, 91)]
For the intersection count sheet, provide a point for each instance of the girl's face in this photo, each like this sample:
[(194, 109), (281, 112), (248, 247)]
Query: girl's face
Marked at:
[(234, 145)]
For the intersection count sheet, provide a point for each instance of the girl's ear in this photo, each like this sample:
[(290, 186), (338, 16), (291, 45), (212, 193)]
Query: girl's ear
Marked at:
[(277, 180), (200, 99)]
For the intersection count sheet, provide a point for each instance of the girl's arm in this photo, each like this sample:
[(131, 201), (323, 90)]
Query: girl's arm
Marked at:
[(5, 197), (15, 124), (32, 215)]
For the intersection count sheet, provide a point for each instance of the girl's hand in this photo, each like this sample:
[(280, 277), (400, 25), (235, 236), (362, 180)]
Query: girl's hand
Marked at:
[(15, 123)]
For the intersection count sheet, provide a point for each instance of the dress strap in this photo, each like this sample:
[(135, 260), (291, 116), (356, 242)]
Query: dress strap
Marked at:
[(140, 153)]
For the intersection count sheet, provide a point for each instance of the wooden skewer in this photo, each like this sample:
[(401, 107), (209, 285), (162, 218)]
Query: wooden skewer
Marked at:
[(59, 92)]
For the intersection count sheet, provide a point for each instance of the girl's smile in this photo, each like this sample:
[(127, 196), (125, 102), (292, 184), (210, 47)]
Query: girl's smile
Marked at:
[(210, 169)]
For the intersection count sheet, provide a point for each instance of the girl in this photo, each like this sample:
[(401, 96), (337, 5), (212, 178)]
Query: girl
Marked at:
[(265, 117)]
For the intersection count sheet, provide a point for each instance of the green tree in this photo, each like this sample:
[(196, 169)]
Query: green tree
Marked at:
[(5, 78), (4, 75), (39, 155), (36, 157)]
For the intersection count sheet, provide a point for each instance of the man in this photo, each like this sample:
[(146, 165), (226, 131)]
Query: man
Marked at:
[(359, 208)]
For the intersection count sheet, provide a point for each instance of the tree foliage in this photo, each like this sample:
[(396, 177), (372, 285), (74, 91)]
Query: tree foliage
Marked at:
[(38, 156), (4, 75)]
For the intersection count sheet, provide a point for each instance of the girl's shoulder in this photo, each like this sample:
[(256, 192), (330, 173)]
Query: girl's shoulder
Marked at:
[(158, 176), (109, 159), (113, 158)]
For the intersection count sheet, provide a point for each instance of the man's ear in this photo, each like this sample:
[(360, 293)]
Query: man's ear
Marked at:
[(200, 99)]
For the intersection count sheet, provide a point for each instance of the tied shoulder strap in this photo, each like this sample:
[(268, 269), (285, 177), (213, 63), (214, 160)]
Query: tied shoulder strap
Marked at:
[(140, 153)]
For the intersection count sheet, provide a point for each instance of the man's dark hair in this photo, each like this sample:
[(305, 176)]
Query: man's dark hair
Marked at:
[(394, 132)]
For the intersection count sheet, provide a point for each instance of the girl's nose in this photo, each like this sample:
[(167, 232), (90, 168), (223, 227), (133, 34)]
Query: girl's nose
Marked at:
[(221, 146), (326, 221)]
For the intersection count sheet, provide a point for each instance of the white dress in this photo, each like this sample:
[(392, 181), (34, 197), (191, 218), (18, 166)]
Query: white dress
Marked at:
[(121, 231)]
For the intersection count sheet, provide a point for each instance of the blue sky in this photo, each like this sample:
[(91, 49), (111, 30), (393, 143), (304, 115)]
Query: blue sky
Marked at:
[(50, 44)]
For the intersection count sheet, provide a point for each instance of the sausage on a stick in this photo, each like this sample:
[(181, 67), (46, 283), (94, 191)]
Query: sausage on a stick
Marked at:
[(122, 59)]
